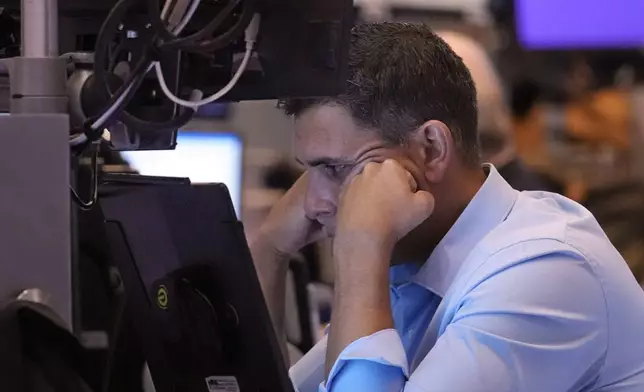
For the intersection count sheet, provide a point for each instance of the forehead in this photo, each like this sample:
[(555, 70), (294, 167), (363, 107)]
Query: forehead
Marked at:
[(330, 133)]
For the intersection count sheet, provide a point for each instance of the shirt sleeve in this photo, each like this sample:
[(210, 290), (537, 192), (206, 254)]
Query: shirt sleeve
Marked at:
[(308, 373), (373, 363), (537, 325), (534, 325)]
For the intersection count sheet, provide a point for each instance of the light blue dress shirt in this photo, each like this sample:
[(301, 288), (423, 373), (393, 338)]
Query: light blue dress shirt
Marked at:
[(524, 294)]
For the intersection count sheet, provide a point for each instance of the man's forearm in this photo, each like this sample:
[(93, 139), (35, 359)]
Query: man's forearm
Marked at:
[(271, 270), (361, 306)]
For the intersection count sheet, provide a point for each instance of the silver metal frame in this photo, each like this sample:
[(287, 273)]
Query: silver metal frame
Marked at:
[(35, 213)]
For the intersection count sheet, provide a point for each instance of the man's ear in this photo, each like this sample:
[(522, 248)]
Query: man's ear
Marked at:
[(436, 148)]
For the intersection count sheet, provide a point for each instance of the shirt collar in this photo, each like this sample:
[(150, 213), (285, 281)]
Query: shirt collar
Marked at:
[(489, 207)]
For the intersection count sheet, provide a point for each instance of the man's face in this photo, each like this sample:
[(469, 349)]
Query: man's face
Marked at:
[(334, 149)]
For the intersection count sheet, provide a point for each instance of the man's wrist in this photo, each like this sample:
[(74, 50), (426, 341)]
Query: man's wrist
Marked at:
[(362, 245), (264, 246), (361, 264)]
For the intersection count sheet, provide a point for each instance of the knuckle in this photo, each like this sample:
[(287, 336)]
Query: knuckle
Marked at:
[(392, 166), (389, 163), (370, 167)]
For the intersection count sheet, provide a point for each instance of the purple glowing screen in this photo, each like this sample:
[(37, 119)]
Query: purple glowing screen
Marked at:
[(581, 24)]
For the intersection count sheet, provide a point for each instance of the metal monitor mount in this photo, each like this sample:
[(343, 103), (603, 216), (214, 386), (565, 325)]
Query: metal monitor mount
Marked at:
[(35, 212)]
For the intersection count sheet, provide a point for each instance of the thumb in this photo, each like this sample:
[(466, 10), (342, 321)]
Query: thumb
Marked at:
[(316, 233), (423, 202)]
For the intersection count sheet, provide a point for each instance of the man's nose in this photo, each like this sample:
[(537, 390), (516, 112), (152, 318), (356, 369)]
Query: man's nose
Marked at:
[(318, 205)]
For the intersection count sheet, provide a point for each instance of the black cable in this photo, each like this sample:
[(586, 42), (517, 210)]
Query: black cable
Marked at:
[(86, 205), (160, 29), (231, 35), (158, 24), (132, 121), (108, 30), (170, 40), (189, 41), (135, 78)]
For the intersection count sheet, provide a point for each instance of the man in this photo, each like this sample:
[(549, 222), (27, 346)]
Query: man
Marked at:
[(511, 291), (496, 136)]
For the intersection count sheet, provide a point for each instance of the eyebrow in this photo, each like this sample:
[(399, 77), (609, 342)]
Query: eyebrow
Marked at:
[(325, 161)]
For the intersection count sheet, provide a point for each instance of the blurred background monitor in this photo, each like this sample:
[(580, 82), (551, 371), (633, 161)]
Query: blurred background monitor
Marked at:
[(204, 157), (580, 24), (216, 110)]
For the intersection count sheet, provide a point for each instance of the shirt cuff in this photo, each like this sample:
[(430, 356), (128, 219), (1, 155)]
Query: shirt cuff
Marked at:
[(383, 347)]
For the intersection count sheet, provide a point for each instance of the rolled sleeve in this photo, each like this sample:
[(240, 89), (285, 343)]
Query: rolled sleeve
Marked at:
[(307, 374), (375, 363)]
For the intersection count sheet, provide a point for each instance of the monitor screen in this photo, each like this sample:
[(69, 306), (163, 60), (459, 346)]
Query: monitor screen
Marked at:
[(580, 24), (204, 157)]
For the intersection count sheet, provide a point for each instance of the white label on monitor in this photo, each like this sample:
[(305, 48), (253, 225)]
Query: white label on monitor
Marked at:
[(222, 384)]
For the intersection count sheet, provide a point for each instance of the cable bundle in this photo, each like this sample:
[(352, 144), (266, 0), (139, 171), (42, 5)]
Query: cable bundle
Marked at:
[(166, 37)]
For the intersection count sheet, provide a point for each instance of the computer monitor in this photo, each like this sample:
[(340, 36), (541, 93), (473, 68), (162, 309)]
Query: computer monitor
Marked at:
[(203, 157), (191, 288), (580, 24)]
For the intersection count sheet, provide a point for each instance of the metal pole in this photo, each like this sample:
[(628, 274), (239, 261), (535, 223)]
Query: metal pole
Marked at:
[(52, 23), (35, 216), (39, 76), (39, 24)]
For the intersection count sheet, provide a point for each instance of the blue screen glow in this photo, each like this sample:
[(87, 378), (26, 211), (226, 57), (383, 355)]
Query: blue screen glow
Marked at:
[(204, 157)]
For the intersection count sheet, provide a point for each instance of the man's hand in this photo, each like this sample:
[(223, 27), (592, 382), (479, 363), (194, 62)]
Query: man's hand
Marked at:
[(377, 208), (287, 228), (380, 206), (284, 232)]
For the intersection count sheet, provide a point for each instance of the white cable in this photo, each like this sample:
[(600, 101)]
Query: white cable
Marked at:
[(98, 123), (188, 16), (110, 111), (82, 138), (166, 9), (77, 139), (210, 99), (250, 38), (182, 9), (103, 118)]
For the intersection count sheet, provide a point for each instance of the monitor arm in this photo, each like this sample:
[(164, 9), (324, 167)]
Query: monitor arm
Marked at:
[(35, 168)]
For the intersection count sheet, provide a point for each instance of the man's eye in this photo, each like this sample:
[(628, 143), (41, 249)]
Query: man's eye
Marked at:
[(334, 171)]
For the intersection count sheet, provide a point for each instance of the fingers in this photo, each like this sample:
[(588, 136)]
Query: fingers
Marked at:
[(397, 169), (389, 167), (412, 182), (424, 202)]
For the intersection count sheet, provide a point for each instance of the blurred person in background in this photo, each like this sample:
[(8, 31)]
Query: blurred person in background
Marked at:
[(496, 136), (510, 292), (598, 112)]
